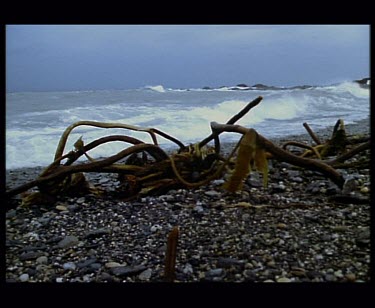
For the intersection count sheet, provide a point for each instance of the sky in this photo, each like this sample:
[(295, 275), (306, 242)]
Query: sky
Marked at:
[(95, 57)]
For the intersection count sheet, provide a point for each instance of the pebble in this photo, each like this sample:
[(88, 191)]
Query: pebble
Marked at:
[(365, 190), (218, 182), (112, 264), (350, 185), (188, 269), (86, 263), (24, 277), (340, 228), (330, 278), (283, 279), (250, 275), (124, 271), (11, 214), (199, 209), (42, 260), (71, 266), (61, 208), (145, 275), (350, 277), (338, 274), (68, 241), (245, 216), (81, 200), (97, 233), (31, 255), (217, 272), (228, 262), (212, 193), (281, 226), (155, 228)]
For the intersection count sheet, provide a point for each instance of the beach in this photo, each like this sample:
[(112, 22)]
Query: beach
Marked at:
[(301, 228)]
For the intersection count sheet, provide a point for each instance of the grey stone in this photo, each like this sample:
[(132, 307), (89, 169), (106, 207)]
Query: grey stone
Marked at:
[(81, 200), (103, 180), (188, 269), (38, 246), (199, 209), (217, 272), (218, 182), (255, 182), (169, 198), (296, 179), (112, 264), (31, 255), (155, 228), (11, 213), (73, 207), (85, 263), (212, 193), (95, 266), (105, 277), (24, 277), (68, 241), (283, 279), (228, 262), (350, 185), (330, 278), (97, 233), (250, 275), (145, 275), (278, 187), (313, 274), (293, 173), (71, 266), (42, 260), (124, 271)]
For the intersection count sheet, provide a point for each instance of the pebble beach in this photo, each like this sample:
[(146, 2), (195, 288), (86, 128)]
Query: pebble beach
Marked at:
[(301, 228)]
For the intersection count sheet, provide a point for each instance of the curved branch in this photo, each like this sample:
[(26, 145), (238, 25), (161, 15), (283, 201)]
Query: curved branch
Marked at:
[(302, 145), (64, 137), (311, 133), (166, 136), (233, 119), (74, 155), (282, 155), (350, 154), (62, 171)]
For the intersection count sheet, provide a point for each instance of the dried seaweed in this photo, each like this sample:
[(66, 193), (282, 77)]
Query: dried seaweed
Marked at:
[(145, 168)]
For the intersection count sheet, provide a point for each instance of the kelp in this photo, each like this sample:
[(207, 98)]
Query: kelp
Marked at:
[(249, 152), (145, 168)]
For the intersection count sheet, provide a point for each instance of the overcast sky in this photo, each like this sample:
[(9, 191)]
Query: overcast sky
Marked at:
[(79, 57)]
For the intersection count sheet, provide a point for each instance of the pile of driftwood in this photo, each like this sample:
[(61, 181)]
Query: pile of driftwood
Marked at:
[(145, 168)]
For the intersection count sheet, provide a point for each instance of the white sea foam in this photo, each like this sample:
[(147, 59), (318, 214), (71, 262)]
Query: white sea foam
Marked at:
[(32, 134), (352, 88), (158, 88)]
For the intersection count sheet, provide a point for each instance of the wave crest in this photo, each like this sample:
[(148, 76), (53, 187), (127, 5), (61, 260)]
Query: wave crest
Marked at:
[(158, 88)]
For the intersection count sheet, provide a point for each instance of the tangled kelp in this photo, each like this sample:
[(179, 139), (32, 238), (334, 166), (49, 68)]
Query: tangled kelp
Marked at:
[(145, 168)]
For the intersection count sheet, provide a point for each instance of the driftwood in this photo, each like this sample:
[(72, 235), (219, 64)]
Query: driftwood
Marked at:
[(144, 168)]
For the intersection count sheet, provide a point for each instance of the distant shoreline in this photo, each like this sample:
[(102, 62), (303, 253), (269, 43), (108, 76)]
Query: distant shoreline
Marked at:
[(364, 83)]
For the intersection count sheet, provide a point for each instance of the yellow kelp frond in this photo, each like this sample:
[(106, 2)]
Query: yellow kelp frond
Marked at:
[(246, 153), (261, 164)]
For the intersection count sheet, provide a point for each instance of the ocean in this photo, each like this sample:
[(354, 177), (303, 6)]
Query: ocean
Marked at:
[(35, 121)]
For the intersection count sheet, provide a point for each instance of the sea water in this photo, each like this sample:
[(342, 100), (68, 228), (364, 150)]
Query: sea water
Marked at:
[(35, 121)]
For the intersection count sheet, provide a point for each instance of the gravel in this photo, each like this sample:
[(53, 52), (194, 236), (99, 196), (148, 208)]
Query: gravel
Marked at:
[(293, 231)]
